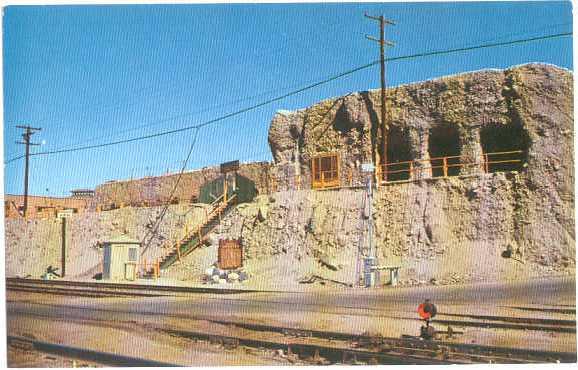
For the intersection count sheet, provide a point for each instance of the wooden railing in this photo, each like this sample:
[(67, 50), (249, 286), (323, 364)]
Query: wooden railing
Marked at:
[(444, 164), (405, 171)]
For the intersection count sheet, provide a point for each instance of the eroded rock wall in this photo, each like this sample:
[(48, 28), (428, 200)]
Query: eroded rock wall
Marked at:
[(462, 224), (532, 103)]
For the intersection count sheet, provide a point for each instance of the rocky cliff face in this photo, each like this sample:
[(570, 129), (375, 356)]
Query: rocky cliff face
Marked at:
[(478, 228), (467, 223), (526, 108)]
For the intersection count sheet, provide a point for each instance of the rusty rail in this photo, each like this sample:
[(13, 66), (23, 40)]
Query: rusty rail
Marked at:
[(69, 287), (337, 346)]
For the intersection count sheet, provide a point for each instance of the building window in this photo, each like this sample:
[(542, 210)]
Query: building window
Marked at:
[(133, 254), (504, 146), (325, 171), (444, 151)]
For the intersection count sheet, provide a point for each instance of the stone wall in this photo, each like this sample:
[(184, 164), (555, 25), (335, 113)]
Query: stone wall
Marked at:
[(153, 191)]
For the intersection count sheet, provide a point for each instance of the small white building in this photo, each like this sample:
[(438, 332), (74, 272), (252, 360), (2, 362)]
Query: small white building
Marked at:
[(120, 259)]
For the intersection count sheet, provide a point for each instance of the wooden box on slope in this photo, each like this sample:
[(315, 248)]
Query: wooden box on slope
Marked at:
[(230, 254)]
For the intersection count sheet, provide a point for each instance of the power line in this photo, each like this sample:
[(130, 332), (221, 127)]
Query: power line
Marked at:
[(171, 118), (215, 120), (484, 46), (295, 92), (526, 32), (164, 211), (208, 109)]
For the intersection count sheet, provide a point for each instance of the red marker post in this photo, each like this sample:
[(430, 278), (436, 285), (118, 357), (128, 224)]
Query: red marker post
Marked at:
[(426, 312)]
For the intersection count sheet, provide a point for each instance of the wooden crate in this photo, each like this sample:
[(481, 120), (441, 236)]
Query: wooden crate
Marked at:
[(230, 254)]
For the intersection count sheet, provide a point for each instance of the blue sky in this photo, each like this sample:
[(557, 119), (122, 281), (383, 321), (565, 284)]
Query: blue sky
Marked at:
[(93, 74)]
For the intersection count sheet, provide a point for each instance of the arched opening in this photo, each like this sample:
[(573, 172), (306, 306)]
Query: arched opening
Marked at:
[(398, 155), (444, 150), (505, 147)]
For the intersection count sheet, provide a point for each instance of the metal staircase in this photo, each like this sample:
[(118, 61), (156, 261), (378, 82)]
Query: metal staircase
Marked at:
[(195, 238)]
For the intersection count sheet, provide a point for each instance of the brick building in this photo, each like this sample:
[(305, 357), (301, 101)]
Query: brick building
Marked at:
[(43, 207)]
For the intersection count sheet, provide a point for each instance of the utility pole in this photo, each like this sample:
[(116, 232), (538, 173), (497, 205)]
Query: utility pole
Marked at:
[(26, 136), (382, 42)]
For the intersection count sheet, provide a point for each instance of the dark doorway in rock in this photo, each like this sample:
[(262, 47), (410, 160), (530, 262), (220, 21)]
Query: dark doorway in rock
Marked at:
[(505, 147), (444, 150), (398, 155)]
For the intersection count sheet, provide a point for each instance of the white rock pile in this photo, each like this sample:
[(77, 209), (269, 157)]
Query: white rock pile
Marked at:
[(215, 275)]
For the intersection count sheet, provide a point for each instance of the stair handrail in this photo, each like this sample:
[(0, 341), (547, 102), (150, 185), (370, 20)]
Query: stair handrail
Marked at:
[(214, 205), (216, 208), (219, 208)]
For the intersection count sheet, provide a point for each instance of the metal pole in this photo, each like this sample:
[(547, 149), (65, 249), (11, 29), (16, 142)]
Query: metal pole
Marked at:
[(63, 251), (370, 213), (369, 259), (225, 188)]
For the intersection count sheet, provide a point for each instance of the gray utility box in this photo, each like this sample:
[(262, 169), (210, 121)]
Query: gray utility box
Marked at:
[(120, 259)]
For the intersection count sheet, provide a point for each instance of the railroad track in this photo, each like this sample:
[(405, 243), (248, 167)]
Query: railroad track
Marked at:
[(97, 289), (317, 346), (104, 358), (309, 351), (403, 349)]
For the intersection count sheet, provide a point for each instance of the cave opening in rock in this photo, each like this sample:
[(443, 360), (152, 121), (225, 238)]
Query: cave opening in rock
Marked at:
[(398, 155), (444, 150), (505, 147)]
